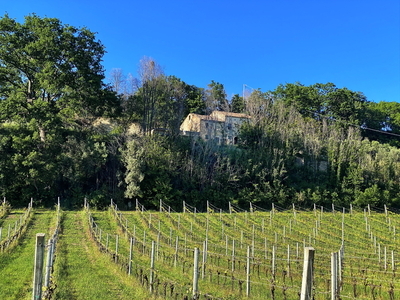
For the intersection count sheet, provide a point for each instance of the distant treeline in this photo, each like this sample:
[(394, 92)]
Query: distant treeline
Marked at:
[(66, 133)]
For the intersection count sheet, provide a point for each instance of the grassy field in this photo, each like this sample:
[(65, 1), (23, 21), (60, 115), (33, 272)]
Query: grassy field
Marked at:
[(92, 254), (16, 265)]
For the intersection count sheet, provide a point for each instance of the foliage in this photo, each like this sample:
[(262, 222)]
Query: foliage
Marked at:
[(302, 144)]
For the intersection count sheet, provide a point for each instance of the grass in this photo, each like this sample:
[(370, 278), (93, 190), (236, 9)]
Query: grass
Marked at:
[(82, 272), (16, 265)]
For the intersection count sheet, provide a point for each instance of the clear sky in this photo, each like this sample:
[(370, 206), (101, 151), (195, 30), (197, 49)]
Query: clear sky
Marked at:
[(260, 43)]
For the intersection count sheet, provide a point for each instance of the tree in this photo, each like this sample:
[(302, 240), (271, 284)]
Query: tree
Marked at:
[(237, 104), (216, 97), (151, 81), (50, 71), (118, 81)]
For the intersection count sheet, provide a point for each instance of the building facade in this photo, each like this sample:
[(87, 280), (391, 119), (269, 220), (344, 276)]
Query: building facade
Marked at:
[(220, 126)]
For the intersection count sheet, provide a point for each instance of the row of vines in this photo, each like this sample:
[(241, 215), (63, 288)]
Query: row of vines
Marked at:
[(158, 248)]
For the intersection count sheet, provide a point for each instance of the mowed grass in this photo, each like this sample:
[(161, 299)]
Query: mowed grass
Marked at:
[(82, 272), (16, 265)]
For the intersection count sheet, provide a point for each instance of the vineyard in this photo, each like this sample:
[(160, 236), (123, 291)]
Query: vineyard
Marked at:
[(217, 254)]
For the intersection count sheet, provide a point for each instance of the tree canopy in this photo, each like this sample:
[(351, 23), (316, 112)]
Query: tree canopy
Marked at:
[(65, 133)]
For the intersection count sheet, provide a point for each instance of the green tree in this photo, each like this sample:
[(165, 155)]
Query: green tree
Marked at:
[(50, 71), (216, 97), (237, 104)]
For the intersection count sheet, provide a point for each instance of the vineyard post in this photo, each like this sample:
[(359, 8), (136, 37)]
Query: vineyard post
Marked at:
[(369, 210), (308, 270), (351, 210), (1, 229), (334, 278), (273, 260), (385, 258), (248, 272), (176, 251), (333, 208), (196, 273), (233, 255), (315, 210), (38, 268), (184, 207), (386, 211), (152, 266), (130, 256), (203, 269), (341, 262), (158, 244), (48, 263), (116, 248)]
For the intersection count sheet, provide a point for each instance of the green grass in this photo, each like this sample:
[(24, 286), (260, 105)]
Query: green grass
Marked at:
[(16, 265), (82, 272)]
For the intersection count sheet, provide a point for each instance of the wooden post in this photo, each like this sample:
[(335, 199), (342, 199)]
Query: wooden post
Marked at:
[(203, 268), (176, 251), (38, 268), (233, 255), (196, 273), (130, 256), (248, 272), (151, 281), (334, 277), (48, 263), (116, 248), (273, 260), (308, 270)]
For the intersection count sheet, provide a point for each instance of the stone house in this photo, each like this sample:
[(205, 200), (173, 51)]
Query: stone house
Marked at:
[(220, 126)]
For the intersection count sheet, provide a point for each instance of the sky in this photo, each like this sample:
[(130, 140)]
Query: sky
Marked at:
[(257, 43)]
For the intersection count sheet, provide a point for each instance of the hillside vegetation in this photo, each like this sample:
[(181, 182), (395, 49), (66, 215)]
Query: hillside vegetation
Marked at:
[(302, 144)]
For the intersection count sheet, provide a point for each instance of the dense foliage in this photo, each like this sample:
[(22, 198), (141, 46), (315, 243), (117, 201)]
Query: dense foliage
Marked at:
[(65, 133)]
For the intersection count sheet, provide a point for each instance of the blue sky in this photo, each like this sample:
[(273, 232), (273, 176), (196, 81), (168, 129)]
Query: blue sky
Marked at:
[(352, 43)]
